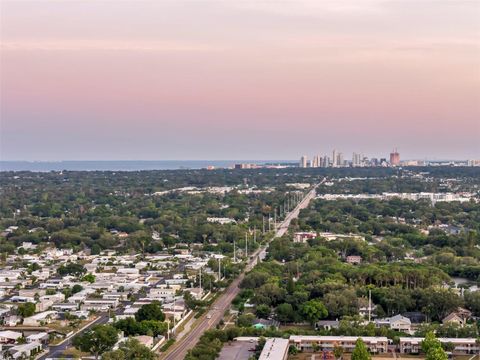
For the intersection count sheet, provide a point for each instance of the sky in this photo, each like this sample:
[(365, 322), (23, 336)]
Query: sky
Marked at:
[(227, 79)]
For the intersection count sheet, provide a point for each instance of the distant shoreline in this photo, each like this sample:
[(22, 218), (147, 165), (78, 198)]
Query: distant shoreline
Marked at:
[(127, 165)]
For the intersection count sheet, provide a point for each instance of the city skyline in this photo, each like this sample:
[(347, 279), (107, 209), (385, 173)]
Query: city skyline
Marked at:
[(149, 80)]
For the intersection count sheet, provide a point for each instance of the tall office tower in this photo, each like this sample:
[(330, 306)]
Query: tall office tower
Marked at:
[(316, 161), (357, 160), (326, 161), (394, 158), (304, 161), (340, 161), (334, 158)]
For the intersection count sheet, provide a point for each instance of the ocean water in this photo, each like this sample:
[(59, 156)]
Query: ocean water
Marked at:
[(125, 165)]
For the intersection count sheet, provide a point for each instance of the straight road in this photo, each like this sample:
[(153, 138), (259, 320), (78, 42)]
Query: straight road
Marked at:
[(211, 318)]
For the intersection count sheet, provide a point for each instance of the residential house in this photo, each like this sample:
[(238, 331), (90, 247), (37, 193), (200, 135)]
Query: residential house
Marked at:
[(397, 322), (9, 337), (40, 319), (25, 351)]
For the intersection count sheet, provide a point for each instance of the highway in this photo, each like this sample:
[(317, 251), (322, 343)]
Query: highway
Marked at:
[(211, 318)]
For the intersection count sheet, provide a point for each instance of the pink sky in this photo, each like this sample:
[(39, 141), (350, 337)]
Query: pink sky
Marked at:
[(225, 79)]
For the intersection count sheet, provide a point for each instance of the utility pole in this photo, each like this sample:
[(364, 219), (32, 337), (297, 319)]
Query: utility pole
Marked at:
[(219, 268), (369, 305), (201, 279), (234, 252), (246, 246), (263, 223), (174, 311), (255, 235)]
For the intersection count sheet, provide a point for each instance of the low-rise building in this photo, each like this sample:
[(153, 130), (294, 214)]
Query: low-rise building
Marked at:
[(413, 345), (9, 337), (275, 349), (375, 344)]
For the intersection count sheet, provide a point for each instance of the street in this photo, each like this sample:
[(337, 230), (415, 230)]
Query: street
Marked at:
[(179, 350)]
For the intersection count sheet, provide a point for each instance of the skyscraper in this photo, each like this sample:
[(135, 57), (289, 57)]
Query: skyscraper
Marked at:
[(334, 158), (304, 161), (357, 160), (394, 158)]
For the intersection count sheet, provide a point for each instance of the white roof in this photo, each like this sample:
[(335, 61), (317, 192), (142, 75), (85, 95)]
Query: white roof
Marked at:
[(8, 334), (418, 340), (300, 338), (275, 348), (37, 336)]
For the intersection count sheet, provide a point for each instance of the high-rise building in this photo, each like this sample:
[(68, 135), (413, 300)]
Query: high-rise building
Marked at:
[(316, 161), (334, 158), (394, 158), (326, 161), (340, 161), (304, 161), (357, 160)]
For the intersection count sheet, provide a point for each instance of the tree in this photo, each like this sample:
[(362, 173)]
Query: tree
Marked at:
[(314, 310), (245, 320), (285, 313), (436, 353), (98, 340), (337, 352), (89, 278), (131, 349), (95, 250), (26, 310), (76, 288), (71, 269), (448, 346), (151, 311), (430, 341), (360, 352), (262, 311)]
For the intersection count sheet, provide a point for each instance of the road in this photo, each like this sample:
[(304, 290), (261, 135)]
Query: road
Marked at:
[(179, 350), (56, 351)]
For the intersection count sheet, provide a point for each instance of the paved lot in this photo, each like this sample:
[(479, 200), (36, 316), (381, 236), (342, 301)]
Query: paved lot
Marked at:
[(237, 350)]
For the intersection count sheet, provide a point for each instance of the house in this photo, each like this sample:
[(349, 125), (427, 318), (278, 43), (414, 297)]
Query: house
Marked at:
[(265, 324), (9, 337), (354, 259), (397, 322), (41, 337), (459, 317), (25, 351), (99, 304), (327, 324), (369, 310), (40, 319), (302, 237), (11, 320)]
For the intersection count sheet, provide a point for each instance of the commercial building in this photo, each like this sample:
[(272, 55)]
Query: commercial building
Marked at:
[(394, 158), (304, 161), (375, 344), (413, 345), (275, 349)]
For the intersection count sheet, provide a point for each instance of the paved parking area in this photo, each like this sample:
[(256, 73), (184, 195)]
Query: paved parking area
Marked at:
[(237, 350)]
